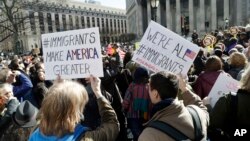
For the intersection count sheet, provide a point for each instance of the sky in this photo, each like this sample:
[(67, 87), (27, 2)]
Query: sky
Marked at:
[(112, 3)]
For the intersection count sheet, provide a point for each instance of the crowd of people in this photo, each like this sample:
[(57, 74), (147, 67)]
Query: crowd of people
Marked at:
[(129, 102)]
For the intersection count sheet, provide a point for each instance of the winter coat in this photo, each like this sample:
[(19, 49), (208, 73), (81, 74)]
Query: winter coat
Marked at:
[(5, 118), (205, 82), (178, 116), (233, 71), (222, 111), (21, 90), (107, 131)]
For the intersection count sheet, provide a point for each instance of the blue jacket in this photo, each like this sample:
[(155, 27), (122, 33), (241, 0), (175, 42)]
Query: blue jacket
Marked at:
[(26, 85), (38, 136)]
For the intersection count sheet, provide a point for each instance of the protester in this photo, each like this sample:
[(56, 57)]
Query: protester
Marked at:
[(231, 112), (237, 62), (109, 83), (206, 80), (136, 102), (199, 63), (163, 90), (92, 118), (23, 123), (8, 105), (194, 36), (61, 113), (7, 76)]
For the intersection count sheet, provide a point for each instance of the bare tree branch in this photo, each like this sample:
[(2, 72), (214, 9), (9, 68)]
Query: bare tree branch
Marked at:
[(1, 40)]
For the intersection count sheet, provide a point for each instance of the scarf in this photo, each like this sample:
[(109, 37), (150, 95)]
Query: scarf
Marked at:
[(161, 105)]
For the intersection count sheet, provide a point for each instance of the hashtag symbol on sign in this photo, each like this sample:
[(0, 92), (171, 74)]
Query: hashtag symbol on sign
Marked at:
[(45, 42)]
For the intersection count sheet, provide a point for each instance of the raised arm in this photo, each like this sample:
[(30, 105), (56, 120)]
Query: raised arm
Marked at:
[(109, 128)]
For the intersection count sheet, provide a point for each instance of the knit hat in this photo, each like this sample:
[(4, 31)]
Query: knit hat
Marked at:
[(141, 72)]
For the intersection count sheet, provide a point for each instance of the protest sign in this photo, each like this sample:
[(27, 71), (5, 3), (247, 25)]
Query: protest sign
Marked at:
[(163, 50), (223, 85), (72, 54)]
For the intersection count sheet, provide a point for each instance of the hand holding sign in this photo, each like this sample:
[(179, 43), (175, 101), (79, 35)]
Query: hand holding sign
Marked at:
[(72, 54), (223, 85), (163, 50)]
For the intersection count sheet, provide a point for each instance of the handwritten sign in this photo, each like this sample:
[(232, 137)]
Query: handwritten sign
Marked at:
[(72, 54), (163, 50), (223, 85)]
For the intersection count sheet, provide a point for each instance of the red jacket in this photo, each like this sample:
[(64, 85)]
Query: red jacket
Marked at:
[(205, 82)]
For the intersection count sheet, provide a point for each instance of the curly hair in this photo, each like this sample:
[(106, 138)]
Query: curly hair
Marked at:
[(237, 59), (245, 80)]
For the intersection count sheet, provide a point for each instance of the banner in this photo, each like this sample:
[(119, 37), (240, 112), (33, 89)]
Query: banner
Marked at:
[(72, 54), (223, 85), (163, 50)]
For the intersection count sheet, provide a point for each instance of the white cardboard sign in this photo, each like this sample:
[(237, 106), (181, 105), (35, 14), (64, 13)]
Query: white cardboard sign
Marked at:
[(163, 50), (72, 54), (223, 85)]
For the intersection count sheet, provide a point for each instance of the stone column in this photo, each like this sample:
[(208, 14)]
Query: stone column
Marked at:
[(100, 22), (113, 24), (125, 29), (85, 22), (74, 21), (53, 22), (46, 27), (214, 14), (201, 24), (178, 17), (80, 21), (96, 22), (90, 20), (120, 21), (38, 31), (159, 14), (239, 12), (226, 9), (117, 26), (149, 11), (191, 15), (67, 22), (109, 26), (168, 14), (139, 20), (105, 26), (60, 21), (122, 26)]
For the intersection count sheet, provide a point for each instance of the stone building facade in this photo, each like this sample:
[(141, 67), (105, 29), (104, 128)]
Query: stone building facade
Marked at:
[(50, 16), (187, 15)]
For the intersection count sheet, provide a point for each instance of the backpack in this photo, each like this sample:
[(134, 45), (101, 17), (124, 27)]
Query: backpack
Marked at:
[(176, 134), (219, 134)]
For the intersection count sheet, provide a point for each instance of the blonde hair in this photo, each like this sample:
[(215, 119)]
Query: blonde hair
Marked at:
[(4, 74), (237, 59), (62, 108), (245, 79)]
